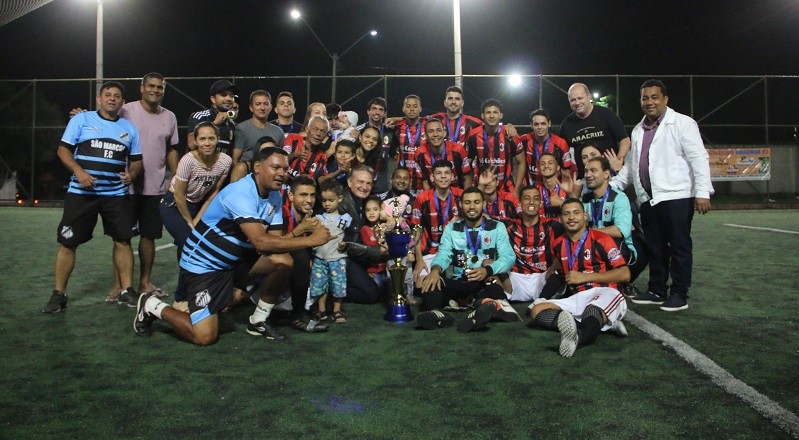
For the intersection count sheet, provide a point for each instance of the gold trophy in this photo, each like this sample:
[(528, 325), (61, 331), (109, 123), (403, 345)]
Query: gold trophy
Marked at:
[(399, 241)]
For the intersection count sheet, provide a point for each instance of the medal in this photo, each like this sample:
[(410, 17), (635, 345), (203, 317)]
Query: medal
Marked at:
[(474, 246)]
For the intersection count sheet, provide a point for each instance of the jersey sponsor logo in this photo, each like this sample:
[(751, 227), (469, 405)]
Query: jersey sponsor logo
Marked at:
[(92, 128), (587, 136), (202, 299), (271, 211), (123, 135), (614, 254), (493, 160), (66, 232)]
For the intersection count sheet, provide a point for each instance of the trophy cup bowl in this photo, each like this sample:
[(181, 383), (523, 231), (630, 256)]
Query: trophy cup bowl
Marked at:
[(398, 310)]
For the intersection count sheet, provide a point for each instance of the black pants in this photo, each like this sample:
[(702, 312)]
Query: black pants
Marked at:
[(300, 280), (667, 227), (361, 288), (459, 289)]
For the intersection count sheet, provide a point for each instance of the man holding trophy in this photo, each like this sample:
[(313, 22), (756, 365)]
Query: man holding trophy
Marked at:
[(475, 248)]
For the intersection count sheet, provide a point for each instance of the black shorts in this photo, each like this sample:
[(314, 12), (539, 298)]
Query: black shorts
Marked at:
[(147, 215), (209, 293), (80, 217)]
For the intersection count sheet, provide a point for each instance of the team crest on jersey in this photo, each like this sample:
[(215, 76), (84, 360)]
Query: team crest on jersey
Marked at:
[(408, 209), (487, 240), (614, 254), (202, 299), (541, 235), (385, 140), (587, 254), (606, 211), (312, 169), (66, 232)]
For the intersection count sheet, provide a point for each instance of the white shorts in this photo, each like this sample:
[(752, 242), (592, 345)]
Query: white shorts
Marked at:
[(428, 260), (526, 287), (610, 300)]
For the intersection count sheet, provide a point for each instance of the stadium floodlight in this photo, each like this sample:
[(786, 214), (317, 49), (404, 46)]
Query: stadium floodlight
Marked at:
[(295, 14), (596, 95), (515, 80)]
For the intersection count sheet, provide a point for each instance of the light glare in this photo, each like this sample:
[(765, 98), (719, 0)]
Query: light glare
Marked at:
[(295, 14), (515, 80)]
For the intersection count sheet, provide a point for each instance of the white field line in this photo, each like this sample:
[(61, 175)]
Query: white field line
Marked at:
[(158, 248), (760, 229), (721, 377)]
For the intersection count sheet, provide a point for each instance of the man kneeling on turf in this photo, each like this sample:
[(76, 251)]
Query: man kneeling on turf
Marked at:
[(238, 239), (593, 267), (477, 248)]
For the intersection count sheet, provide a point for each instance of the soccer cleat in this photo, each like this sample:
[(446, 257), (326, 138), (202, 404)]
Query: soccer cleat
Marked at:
[(128, 297), (648, 298), (58, 301), (506, 312), (143, 322), (674, 303), (619, 329), (478, 318), (434, 320), (569, 337), (264, 328)]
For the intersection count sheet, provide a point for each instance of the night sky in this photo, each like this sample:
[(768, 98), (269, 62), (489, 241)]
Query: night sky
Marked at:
[(245, 38)]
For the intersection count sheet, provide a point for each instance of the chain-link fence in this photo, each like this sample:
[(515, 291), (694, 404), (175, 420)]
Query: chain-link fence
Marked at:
[(730, 110)]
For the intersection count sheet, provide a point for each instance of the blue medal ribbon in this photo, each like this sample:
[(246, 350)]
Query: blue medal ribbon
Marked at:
[(445, 214), (545, 195), (413, 142), (474, 246), (457, 128), (597, 205), (571, 256)]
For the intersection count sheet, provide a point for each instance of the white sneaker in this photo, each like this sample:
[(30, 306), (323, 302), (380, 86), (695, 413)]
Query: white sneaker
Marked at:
[(567, 327), (619, 329)]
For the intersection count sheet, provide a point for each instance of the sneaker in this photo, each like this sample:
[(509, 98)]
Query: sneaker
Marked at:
[(569, 337), (629, 291), (306, 324), (58, 300), (434, 320), (478, 318), (674, 303), (264, 328), (128, 297), (648, 298), (143, 322), (181, 306), (619, 329), (506, 312)]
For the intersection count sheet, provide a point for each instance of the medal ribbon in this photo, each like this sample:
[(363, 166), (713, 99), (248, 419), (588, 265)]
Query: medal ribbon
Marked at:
[(597, 205), (413, 142), (571, 257), (443, 216), (474, 246), (545, 195), (458, 121)]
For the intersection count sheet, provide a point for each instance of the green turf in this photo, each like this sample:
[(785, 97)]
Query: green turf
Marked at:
[(84, 374)]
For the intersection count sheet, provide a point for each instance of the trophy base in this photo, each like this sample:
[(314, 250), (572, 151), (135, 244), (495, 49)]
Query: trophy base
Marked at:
[(398, 313)]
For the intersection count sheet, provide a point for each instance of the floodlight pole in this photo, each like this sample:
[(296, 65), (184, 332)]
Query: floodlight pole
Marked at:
[(99, 54), (456, 37)]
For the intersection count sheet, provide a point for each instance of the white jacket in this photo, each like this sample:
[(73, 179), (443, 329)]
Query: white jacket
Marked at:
[(679, 166)]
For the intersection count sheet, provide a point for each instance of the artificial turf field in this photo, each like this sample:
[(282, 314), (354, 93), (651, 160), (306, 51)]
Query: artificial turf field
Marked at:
[(83, 373)]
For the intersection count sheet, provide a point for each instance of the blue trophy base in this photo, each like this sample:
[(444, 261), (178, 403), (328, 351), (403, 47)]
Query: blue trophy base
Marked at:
[(398, 313)]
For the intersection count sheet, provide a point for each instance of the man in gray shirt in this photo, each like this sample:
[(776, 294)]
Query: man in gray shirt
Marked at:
[(248, 132)]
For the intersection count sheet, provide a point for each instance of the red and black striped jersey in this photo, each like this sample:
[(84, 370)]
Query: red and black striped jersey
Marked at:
[(533, 150), (594, 252), (452, 152), (457, 129), (497, 149), (548, 212), (289, 218), (533, 247), (407, 140), (292, 142), (432, 214), (315, 166), (505, 207)]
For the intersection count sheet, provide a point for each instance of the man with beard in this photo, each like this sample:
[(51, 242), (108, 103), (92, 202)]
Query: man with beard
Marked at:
[(501, 205), (456, 123), (249, 131), (238, 239), (223, 96), (593, 267), (476, 248)]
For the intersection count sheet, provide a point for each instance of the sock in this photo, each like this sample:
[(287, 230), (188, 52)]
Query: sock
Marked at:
[(547, 318), (262, 311), (154, 306)]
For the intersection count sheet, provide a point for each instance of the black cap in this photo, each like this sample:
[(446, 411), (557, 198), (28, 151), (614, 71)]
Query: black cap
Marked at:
[(222, 85)]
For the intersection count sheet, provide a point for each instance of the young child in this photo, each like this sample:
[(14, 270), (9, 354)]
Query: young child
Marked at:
[(329, 267), (343, 125), (372, 234), (339, 165)]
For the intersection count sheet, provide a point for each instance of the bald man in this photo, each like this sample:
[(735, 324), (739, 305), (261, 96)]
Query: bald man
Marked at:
[(589, 123)]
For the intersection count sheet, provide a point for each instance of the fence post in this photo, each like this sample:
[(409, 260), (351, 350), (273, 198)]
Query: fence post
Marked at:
[(33, 145)]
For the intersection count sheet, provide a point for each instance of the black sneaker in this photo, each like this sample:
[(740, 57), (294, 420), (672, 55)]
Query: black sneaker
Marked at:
[(629, 291), (58, 300), (128, 297), (479, 318), (648, 298), (264, 328), (675, 303), (143, 322), (434, 319), (569, 336)]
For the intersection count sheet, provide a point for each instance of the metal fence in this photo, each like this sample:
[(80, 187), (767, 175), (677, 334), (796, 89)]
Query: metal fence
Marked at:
[(730, 110)]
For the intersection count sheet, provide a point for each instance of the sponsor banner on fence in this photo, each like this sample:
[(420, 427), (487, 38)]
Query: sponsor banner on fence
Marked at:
[(740, 163)]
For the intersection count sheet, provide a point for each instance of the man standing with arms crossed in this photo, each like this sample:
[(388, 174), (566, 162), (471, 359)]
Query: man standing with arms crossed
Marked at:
[(669, 168)]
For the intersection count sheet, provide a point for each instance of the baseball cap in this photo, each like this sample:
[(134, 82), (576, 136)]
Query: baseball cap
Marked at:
[(222, 85)]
